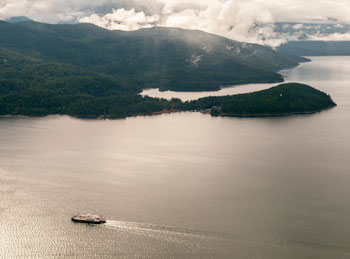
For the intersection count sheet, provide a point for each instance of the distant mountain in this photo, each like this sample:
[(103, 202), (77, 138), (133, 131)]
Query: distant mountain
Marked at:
[(18, 19), (86, 59), (308, 31), (314, 39), (317, 48)]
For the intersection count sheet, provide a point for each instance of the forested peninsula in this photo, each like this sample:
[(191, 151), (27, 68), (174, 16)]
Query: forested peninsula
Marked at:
[(284, 99)]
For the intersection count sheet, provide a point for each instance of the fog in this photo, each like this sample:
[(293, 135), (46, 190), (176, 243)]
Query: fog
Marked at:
[(242, 20)]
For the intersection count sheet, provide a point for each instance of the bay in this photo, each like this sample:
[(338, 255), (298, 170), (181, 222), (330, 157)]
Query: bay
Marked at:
[(182, 185)]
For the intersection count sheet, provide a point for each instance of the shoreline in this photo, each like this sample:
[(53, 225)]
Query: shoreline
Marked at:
[(267, 115), (107, 117), (228, 85)]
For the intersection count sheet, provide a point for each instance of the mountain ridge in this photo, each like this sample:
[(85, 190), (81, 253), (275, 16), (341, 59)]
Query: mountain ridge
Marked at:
[(317, 48), (165, 58), (16, 19), (85, 71)]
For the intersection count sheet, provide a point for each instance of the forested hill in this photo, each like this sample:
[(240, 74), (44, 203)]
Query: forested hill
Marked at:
[(85, 59), (281, 100), (284, 99)]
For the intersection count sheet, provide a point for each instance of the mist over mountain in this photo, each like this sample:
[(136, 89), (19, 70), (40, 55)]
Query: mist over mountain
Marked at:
[(253, 21), (316, 31), (18, 19), (315, 39)]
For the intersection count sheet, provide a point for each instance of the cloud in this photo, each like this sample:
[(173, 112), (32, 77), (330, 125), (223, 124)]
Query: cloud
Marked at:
[(330, 37), (122, 19), (243, 20), (234, 19), (53, 11)]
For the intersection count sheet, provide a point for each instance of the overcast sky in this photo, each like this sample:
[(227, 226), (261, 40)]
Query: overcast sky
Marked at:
[(244, 20)]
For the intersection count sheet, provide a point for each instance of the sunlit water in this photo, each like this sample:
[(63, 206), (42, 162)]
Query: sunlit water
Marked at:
[(187, 96), (182, 185)]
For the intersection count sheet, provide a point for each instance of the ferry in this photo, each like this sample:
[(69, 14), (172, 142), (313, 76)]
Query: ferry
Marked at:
[(88, 218)]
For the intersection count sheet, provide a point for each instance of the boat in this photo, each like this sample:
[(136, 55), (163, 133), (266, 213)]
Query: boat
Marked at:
[(88, 218)]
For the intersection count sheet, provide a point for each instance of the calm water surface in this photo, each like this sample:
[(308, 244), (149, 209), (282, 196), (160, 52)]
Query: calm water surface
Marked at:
[(183, 185), (186, 96)]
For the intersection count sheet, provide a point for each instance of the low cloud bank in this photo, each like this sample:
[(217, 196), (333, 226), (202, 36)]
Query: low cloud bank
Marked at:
[(243, 20)]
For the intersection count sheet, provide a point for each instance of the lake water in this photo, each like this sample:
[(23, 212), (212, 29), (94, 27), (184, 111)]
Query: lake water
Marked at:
[(183, 185)]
